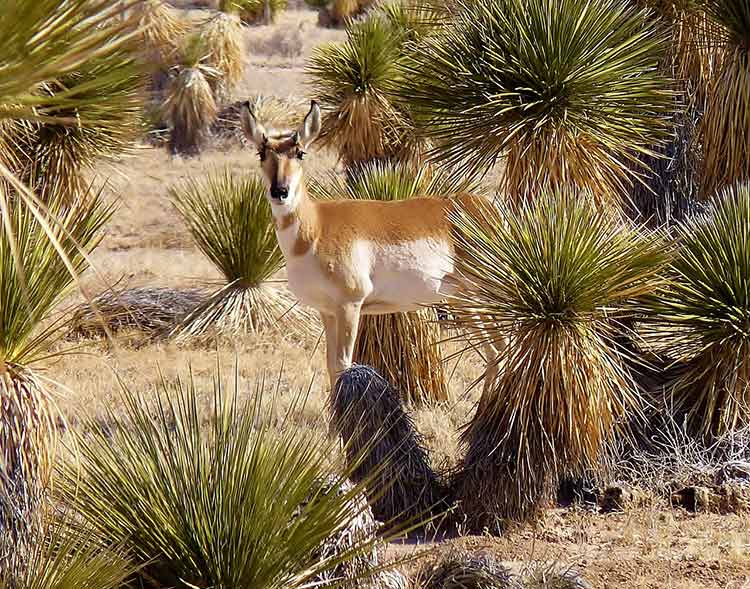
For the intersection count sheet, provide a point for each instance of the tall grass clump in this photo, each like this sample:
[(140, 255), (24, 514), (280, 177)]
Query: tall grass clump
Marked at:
[(725, 127), (556, 277), (572, 100), (28, 423), (237, 496), (222, 38), (354, 81), (700, 317), (403, 347), (230, 220)]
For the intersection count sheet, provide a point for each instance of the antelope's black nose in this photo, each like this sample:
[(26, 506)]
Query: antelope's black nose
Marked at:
[(279, 192)]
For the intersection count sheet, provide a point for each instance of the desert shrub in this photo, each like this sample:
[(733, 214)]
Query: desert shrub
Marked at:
[(33, 279), (222, 40), (699, 318), (230, 219), (233, 497), (155, 310), (190, 105), (576, 99), (354, 81), (60, 554), (56, 158), (558, 278), (725, 126), (257, 11), (463, 570)]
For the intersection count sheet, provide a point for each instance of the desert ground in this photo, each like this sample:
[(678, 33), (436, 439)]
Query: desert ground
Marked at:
[(147, 245)]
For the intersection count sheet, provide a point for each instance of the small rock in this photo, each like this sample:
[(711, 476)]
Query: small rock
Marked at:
[(619, 497), (697, 499)]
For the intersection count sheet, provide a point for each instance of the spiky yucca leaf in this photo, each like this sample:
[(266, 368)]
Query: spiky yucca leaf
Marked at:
[(553, 277), (45, 41), (27, 422), (222, 38), (701, 316), (228, 501), (725, 127), (53, 157), (59, 554), (230, 220), (354, 81), (574, 99), (402, 347)]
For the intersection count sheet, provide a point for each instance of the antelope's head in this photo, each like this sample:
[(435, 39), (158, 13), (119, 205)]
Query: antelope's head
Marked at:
[(281, 154)]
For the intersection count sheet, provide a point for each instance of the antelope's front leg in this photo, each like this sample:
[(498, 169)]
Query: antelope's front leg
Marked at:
[(347, 324), (329, 324)]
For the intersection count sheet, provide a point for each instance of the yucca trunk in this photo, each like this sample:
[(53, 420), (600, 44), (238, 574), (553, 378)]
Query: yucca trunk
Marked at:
[(27, 433), (405, 349)]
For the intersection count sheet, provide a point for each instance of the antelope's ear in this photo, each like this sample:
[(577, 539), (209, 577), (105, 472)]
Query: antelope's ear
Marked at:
[(310, 127), (253, 130)]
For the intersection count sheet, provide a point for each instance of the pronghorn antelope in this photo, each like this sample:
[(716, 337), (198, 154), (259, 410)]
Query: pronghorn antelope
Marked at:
[(346, 258)]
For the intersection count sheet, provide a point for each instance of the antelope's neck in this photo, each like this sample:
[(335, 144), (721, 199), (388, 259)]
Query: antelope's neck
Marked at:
[(295, 225)]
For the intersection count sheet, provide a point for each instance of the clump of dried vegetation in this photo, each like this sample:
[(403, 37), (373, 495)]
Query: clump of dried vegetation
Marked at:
[(154, 310)]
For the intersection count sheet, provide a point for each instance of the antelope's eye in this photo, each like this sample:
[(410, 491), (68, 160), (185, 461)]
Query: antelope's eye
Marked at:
[(300, 154)]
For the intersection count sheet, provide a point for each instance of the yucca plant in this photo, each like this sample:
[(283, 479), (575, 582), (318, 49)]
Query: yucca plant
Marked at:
[(27, 334), (43, 41), (700, 317), (190, 106), (354, 81), (237, 497), (725, 127), (403, 347), (221, 36), (54, 157), (255, 11), (230, 219), (60, 554), (576, 99), (557, 277)]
